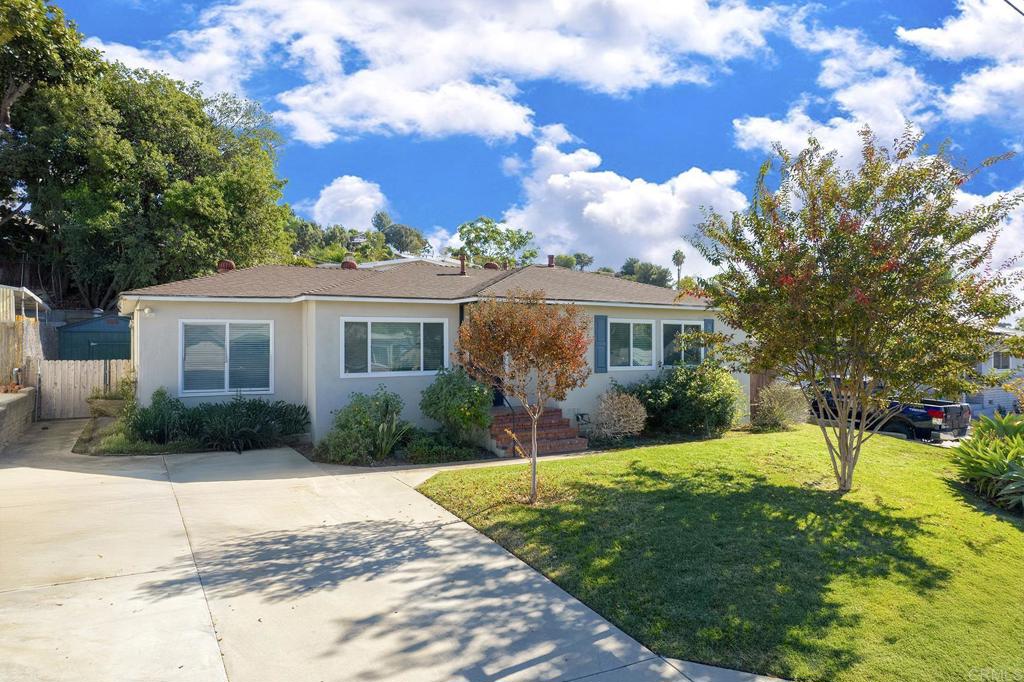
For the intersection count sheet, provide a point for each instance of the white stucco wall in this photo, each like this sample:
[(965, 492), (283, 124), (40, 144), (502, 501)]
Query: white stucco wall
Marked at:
[(584, 399), (157, 337), (307, 351), (332, 391)]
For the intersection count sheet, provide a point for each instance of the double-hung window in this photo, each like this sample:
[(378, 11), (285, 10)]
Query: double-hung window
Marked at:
[(222, 356), (393, 346), (1000, 360), (672, 353), (631, 344)]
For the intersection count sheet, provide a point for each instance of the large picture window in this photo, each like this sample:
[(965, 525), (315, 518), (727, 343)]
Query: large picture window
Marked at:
[(226, 356), (672, 354), (382, 346), (631, 344)]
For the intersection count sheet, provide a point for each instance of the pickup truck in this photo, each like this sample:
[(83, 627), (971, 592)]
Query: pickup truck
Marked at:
[(929, 419)]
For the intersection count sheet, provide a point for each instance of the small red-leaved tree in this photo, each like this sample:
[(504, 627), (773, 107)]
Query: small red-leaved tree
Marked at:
[(865, 286), (533, 351)]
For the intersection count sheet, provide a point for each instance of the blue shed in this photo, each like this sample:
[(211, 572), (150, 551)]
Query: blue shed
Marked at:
[(100, 338)]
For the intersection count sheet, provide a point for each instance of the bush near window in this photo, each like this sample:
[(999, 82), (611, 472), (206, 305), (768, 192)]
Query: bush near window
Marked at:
[(426, 447), (366, 430), (779, 407), (459, 403), (241, 424), (992, 460), (618, 415), (701, 400)]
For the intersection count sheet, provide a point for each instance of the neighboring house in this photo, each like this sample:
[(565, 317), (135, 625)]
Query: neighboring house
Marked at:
[(990, 400), (316, 335)]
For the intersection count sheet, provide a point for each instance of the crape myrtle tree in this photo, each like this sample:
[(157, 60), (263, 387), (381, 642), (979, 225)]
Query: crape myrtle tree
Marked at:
[(534, 351), (865, 286)]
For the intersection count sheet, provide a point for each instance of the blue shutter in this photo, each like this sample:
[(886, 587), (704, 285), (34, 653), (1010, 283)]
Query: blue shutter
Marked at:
[(709, 327), (600, 344)]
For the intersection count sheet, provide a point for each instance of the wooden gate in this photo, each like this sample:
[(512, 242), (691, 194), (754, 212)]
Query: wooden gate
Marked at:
[(64, 385)]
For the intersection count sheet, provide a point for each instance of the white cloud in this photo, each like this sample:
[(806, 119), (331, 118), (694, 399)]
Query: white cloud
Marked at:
[(350, 201), (988, 30), (572, 205), (450, 67), (868, 83)]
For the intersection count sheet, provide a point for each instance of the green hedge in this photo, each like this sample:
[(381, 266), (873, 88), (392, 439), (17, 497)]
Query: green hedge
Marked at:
[(701, 400), (240, 424)]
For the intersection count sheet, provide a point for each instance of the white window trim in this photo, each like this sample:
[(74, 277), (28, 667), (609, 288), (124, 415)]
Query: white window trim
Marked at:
[(1009, 360), (369, 336), (681, 324), (182, 393), (654, 351)]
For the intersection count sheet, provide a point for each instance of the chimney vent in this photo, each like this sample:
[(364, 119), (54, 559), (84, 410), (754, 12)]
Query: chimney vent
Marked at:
[(349, 263), (462, 264), (225, 265), (490, 265), (551, 261)]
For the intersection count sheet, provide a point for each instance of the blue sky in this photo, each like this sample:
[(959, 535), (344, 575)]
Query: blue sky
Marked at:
[(601, 127)]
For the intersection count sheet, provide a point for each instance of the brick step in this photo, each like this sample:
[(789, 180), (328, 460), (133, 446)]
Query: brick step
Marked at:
[(524, 427), (508, 420), (504, 439), (553, 447)]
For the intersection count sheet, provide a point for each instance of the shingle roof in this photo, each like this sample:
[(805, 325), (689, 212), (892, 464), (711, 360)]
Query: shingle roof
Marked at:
[(414, 280), (561, 284)]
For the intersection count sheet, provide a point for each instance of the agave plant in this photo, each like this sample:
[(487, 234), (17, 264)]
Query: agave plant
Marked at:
[(390, 432), (1000, 426), (994, 466)]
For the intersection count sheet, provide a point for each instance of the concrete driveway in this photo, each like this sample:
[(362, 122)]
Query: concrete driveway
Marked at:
[(266, 566)]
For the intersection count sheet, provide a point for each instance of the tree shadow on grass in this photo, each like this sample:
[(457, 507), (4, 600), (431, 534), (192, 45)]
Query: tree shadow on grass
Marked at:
[(719, 566)]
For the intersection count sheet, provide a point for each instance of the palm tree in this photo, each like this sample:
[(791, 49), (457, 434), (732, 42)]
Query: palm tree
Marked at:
[(678, 258)]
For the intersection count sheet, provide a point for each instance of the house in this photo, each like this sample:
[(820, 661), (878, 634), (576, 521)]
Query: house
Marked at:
[(994, 399), (316, 335)]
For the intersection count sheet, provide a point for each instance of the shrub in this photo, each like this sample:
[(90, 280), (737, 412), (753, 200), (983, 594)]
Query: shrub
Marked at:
[(993, 465), (241, 424), (425, 447), (365, 430), (244, 424), (158, 422), (699, 401), (618, 415), (780, 405), (1000, 426), (460, 404)]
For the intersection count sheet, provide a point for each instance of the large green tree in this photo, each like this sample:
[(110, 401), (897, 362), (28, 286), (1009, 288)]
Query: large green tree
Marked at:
[(646, 273), (38, 46), (134, 178), (863, 286), (399, 237), (484, 239)]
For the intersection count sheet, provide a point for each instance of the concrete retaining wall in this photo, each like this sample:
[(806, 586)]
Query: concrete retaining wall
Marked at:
[(16, 411)]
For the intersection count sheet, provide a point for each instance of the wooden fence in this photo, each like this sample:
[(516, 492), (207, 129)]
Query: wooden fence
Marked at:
[(64, 385)]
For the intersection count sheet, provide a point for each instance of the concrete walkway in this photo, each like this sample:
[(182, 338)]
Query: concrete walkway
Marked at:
[(265, 566)]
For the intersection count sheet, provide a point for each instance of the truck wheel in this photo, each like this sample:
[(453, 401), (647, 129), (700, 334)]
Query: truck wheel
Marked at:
[(905, 428)]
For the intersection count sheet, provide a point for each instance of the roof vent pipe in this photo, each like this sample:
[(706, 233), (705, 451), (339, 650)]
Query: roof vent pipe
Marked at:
[(551, 261), (349, 263), (225, 265), (462, 264)]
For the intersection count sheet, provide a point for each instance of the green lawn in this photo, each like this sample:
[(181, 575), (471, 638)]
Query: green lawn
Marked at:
[(736, 552)]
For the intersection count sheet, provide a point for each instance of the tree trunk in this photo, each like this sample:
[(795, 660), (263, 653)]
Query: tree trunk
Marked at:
[(533, 460)]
